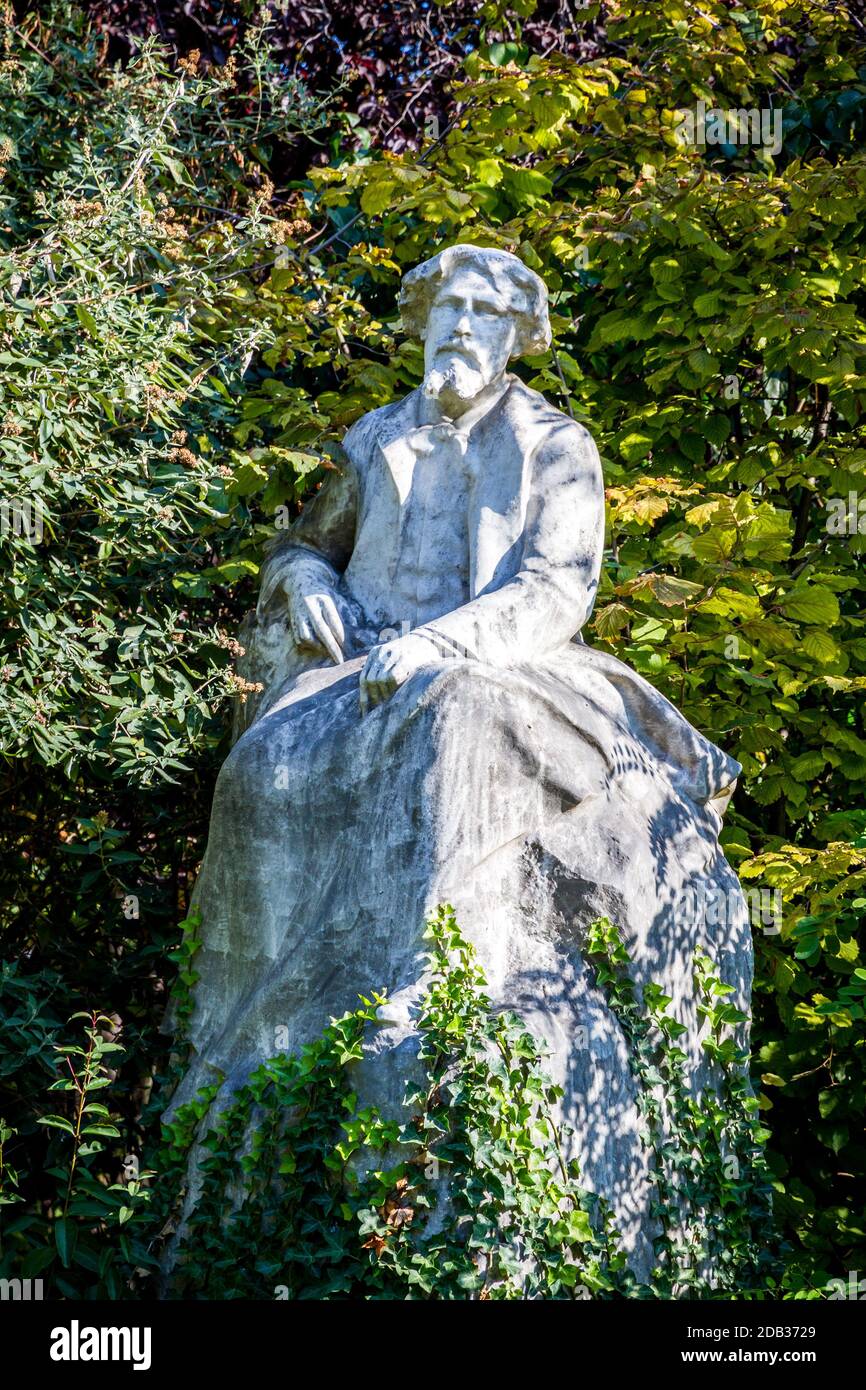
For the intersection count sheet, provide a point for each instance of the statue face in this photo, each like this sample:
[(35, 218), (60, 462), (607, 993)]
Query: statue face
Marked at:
[(470, 334)]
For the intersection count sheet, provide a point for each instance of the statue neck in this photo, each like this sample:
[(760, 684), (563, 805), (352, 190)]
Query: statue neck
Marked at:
[(433, 412)]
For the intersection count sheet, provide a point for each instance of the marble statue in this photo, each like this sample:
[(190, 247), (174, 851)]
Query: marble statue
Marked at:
[(432, 729)]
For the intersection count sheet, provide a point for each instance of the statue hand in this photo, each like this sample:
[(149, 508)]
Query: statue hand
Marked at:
[(392, 663), (315, 619)]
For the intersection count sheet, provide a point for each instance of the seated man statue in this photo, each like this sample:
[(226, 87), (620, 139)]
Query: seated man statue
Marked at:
[(433, 729)]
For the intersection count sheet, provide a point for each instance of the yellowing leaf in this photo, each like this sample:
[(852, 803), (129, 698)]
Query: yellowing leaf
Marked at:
[(611, 619), (730, 602), (635, 446), (489, 172), (672, 591)]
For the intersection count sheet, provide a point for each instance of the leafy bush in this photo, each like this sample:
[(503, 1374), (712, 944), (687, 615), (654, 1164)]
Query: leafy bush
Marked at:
[(129, 218)]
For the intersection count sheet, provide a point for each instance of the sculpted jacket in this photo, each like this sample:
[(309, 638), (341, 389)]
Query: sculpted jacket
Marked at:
[(534, 520)]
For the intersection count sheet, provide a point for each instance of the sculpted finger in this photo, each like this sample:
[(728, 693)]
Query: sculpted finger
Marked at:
[(323, 632), (399, 673), (302, 630), (386, 688), (367, 684), (331, 614), (372, 670)]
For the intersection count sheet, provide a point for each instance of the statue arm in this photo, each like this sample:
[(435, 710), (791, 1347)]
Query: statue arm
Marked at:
[(552, 595), (319, 544)]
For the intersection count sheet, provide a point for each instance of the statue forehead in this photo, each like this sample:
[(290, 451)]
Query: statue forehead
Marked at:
[(468, 279)]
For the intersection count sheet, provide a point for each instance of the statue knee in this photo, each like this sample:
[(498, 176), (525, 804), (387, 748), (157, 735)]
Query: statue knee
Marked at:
[(461, 690)]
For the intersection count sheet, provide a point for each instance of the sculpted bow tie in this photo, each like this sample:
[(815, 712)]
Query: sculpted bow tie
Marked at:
[(427, 438)]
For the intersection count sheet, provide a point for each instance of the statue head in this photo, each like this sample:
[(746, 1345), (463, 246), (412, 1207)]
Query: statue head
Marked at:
[(474, 308)]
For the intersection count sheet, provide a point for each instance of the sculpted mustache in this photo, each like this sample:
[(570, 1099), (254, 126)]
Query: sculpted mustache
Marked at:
[(456, 349)]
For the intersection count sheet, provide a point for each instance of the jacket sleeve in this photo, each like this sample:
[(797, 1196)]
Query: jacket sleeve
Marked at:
[(320, 541), (551, 596)]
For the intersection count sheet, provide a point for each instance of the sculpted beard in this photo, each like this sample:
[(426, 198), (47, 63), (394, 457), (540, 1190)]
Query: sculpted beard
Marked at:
[(455, 380)]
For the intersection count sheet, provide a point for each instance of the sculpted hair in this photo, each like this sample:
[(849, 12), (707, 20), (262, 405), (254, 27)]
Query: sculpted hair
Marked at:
[(524, 289)]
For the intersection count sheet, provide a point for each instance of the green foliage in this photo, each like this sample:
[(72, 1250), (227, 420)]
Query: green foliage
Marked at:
[(307, 1193), (197, 295), (125, 346), (86, 1216), (131, 207), (470, 1196)]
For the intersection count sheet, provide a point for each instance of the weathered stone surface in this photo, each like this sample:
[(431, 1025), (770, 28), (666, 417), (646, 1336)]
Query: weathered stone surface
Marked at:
[(433, 729)]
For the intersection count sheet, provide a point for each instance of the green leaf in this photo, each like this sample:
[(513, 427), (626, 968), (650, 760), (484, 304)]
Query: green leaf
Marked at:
[(56, 1122), (65, 1238), (87, 321), (812, 603)]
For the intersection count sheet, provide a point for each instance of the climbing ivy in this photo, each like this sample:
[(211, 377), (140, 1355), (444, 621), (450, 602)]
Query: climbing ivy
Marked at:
[(306, 1192), (713, 1186)]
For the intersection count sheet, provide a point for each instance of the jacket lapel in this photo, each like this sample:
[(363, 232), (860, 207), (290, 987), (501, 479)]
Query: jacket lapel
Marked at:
[(503, 442), (392, 443)]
